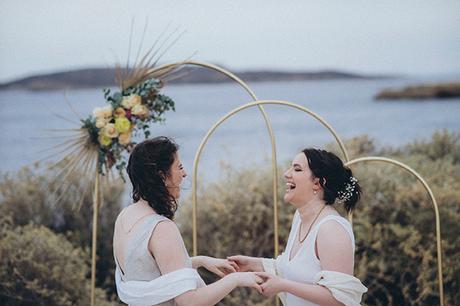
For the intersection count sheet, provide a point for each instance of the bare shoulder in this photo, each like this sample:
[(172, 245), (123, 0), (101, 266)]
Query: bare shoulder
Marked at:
[(334, 246), (333, 230), (167, 247), (166, 229)]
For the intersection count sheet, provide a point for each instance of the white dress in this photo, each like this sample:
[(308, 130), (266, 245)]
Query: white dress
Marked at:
[(304, 266), (141, 282)]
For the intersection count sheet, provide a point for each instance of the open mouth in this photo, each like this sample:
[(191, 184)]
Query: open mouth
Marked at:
[(290, 187)]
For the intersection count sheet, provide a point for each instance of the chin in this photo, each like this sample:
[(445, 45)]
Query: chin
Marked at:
[(287, 198)]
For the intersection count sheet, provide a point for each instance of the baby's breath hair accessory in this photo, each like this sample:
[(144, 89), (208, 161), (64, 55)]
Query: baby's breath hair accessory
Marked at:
[(345, 195)]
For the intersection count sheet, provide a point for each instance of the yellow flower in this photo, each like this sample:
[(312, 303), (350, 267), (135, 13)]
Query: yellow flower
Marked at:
[(101, 122), (104, 140), (131, 101), (110, 131), (140, 111), (119, 112), (122, 125), (124, 138)]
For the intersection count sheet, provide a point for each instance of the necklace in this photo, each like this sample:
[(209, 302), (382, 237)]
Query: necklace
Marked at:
[(311, 225)]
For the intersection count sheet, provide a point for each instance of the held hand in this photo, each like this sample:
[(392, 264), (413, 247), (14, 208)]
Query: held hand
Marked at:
[(248, 279), (220, 267), (272, 284), (246, 263)]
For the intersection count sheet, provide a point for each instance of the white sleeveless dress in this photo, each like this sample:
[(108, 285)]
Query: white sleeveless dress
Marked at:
[(305, 265), (140, 266)]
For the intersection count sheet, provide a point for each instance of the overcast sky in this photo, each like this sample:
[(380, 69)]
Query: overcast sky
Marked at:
[(393, 36)]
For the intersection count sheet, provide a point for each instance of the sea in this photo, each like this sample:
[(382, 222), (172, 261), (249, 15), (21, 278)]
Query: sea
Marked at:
[(29, 120)]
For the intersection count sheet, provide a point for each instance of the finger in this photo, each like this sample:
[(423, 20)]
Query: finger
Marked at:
[(258, 288), (219, 273), (229, 268), (225, 270), (233, 265), (264, 275), (263, 287), (259, 280)]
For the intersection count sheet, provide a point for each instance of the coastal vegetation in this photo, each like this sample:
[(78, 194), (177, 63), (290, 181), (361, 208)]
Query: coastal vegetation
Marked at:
[(425, 91), (105, 77), (45, 243)]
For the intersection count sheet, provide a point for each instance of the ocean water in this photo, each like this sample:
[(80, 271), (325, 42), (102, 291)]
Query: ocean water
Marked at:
[(347, 105)]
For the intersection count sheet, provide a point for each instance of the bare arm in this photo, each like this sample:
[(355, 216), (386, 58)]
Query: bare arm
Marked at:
[(247, 263), (335, 253), (167, 246)]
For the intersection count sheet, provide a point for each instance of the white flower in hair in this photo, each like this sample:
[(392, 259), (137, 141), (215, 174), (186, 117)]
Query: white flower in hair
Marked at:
[(344, 195)]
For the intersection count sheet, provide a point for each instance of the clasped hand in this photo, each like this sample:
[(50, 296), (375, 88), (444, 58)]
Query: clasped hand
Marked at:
[(269, 284)]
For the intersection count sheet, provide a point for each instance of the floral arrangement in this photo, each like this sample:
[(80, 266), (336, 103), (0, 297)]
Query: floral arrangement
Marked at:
[(111, 128)]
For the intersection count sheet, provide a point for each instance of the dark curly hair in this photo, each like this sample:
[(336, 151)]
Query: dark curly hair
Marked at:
[(148, 166), (333, 177)]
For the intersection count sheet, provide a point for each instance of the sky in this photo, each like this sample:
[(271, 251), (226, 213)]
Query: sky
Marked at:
[(388, 36)]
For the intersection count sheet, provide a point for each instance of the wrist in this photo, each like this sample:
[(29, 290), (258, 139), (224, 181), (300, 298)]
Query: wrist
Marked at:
[(198, 261), (233, 278), (284, 285), (258, 265)]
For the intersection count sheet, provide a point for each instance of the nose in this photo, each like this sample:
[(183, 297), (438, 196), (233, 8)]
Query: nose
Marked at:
[(184, 174), (287, 173)]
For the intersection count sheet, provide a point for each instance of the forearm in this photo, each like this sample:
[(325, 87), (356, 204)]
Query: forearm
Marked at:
[(197, 261), (210, 294), (256, 265), (314, 293)]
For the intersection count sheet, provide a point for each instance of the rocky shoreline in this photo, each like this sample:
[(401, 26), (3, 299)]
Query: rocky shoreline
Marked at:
[(105, 77), (423, 91)]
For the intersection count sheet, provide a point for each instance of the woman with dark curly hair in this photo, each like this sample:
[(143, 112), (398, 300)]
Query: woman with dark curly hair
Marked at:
[(152, 264), (316, 267)]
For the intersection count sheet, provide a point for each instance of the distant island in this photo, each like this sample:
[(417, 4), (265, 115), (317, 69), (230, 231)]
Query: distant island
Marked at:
[(423, 91), (105, 77)]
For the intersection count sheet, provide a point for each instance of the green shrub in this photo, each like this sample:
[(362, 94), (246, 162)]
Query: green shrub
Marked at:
[(65, 207), (39, 267), (393, 224)]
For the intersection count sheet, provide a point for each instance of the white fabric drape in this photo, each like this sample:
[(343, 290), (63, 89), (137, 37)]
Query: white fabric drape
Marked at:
[(345, 288), (159, 290)]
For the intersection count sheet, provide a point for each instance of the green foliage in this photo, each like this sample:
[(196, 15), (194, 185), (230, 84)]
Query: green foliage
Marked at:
[(39, 267), (32, 197), (45, 239), (394, 223)]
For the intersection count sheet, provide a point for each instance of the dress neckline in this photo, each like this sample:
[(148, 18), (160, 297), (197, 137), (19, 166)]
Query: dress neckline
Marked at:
[(297, 225)]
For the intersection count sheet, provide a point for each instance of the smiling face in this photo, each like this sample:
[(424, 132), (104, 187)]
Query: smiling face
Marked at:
[(175, 176), (300, 182)]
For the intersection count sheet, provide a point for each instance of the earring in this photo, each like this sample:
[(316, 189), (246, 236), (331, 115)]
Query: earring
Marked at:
[(315, 192)]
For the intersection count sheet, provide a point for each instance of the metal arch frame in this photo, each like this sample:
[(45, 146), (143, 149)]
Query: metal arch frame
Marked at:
[(348, 162), (433, 200), (200, 148), (258, 103)]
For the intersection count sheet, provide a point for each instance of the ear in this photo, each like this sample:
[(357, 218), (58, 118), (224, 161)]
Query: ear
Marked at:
[(163, 175), (316, 182)]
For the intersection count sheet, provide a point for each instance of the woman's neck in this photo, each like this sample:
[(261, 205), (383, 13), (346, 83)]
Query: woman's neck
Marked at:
[(143, 204), (310, 210)]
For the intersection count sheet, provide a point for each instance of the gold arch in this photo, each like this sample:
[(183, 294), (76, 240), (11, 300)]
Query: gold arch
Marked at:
[(433, 200), (348, 163), (274, 165), (169, 67)]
